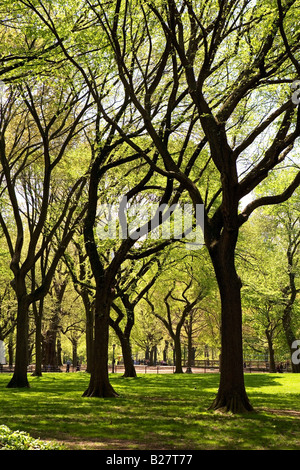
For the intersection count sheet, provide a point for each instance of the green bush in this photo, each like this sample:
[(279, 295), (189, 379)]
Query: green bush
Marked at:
[(19, 440)]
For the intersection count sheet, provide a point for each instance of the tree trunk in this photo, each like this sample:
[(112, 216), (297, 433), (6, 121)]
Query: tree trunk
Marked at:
[(231, 395), (38, 346), (89, 333), (147, 354), (99, 385), (124, 336), (127, 357), (59, 354), (74, 353), (165, 351), (152, 355), (19, 378), (272, 366), (178, 355), (10, 351), (190, 357), (50, 357)]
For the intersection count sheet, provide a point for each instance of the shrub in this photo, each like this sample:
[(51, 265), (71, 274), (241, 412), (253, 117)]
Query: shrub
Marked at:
[(20, 440)]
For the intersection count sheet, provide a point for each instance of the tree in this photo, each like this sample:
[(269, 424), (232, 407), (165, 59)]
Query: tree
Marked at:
[(197, 41), (44, 126), (148, 334), (129, 294), (7, 300), (168, 58), (191, 331), (283, 232), (290, 222), (180, 317), (59, 285), (77, 263), (105, 142), (259, 259)]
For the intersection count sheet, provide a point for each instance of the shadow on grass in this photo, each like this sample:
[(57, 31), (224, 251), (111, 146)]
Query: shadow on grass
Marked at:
[(153, 412)]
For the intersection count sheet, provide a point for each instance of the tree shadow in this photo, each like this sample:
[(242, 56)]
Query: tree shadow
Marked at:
[(262, 379)]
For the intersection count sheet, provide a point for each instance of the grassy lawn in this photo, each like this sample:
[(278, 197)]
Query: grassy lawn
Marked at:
[(154, 412)]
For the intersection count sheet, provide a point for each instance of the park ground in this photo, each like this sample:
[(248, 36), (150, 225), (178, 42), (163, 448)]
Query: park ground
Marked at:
[(154, 412)]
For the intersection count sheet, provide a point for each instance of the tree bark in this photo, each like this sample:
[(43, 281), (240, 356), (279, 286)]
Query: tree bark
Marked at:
[(190, 357), (74, 353), (85, 292), (38, 341), (124, 336), (99, 385), (126, 350), (89, 335), (19, 378), (127, 357), (272, 366), (50, 352), (178, 355), (231, 395)]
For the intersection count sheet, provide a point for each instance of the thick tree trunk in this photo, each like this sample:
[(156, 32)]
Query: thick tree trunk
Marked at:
[(178, 355), (231, 395), (19, 378), (50, 353), (99, 385)]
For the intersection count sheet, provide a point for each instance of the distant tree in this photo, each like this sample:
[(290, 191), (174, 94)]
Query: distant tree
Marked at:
[(176, 316), (77, 262), (37, 127), (130, 293)]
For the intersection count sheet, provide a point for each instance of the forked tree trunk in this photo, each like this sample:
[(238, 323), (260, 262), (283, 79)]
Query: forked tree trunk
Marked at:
[(99, 385), (231, 395), (124, 336)]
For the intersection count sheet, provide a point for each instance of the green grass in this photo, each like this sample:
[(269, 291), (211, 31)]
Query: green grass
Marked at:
[(154, 412)]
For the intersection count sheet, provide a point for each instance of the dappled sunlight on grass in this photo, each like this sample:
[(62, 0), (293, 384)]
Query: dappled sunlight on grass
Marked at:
[(155, 412)]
